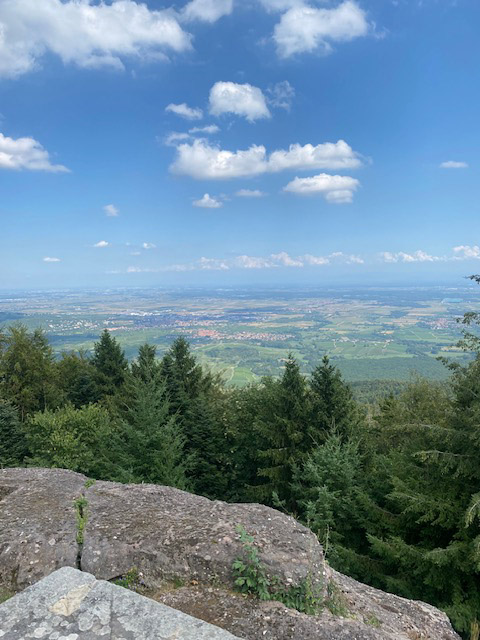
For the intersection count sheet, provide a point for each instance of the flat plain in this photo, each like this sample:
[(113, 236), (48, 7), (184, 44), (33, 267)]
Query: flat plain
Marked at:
[(245, 333)]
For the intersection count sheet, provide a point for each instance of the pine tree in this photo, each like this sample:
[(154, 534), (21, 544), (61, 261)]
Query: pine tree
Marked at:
[(333, 407), (282, 427), (77, 379), (27, 370), (146, 365), (110, 364), (151, 444), (13, 446)]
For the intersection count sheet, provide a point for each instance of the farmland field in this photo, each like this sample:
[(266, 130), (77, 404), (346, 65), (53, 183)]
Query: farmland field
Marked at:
[(244, 334)]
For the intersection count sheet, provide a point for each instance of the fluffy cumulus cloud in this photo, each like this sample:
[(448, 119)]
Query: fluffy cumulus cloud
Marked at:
[(240, 99), (50, 259), (111, 210), (148, 245), (184, 111), (86, 33), (205, 161), (102, 244), (304, 29), (336, 189), (208, 202), (207, 10), (453, 164), (25, 153), (466, 252)]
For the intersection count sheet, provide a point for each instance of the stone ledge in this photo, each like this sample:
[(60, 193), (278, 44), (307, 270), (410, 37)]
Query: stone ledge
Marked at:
[(70, 605)]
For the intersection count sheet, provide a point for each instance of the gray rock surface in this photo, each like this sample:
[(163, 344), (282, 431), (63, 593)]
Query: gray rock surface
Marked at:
[(174, 537), (71, 604), (37, 523)]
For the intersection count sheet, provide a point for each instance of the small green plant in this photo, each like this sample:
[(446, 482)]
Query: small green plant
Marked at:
[(372, 620), (81, 505), (475, 630), (5, 594), (336, 602), (250, 573), (131, 580), (89, 483), (251, 578)]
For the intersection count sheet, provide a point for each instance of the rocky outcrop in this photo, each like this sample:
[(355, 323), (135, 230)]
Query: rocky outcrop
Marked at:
[(70, 604), (56, 518)]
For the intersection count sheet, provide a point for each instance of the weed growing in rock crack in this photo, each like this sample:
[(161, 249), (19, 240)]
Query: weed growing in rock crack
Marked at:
[(81, 510), (372, 620), (89, 483), (336, 602), (131, 580), (251, 578), (5, 594)]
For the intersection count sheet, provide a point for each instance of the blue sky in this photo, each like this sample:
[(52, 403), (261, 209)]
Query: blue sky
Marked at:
[(238, 141)]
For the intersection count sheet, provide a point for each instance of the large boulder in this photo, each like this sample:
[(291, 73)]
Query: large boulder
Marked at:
[(56, 518)]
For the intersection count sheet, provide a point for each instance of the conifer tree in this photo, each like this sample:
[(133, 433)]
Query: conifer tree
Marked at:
[(13, 446), (77, 379), (333, 407), (151, 444), (27, 370), (110, 364), (146, 365), (282, 428)]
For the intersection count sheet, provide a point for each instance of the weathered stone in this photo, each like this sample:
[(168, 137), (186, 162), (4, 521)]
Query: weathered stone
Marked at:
[(71, 604), (169, 534), (368, 614), (37, 523)]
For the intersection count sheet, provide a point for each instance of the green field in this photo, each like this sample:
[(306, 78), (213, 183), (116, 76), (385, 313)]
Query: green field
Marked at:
[(386, 334)]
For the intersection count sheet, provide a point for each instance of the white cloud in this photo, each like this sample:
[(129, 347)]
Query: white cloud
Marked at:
[(111, 210), (49, 259), (102, 244), (336, 189), (253, 262), (209, 129), (175, 137), (241, 99), (284, 260), (149, 245), (212, 264), (306, 29), (466, 252), (250, 193), (452, 164), (416, 256), (281, 95), (315, 260), (86, 33), (329, 155), (280, 5), (207, 202), (207, 10), (184, 111), (204, 161), (25, 153)]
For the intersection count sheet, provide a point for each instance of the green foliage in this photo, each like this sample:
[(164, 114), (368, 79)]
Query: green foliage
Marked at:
[(131, 580), (251, 578), (110, 365), (77, 439), (27, 370), (81, 505), (5, 594), (150, 444), (77, 379), (13, 446)]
